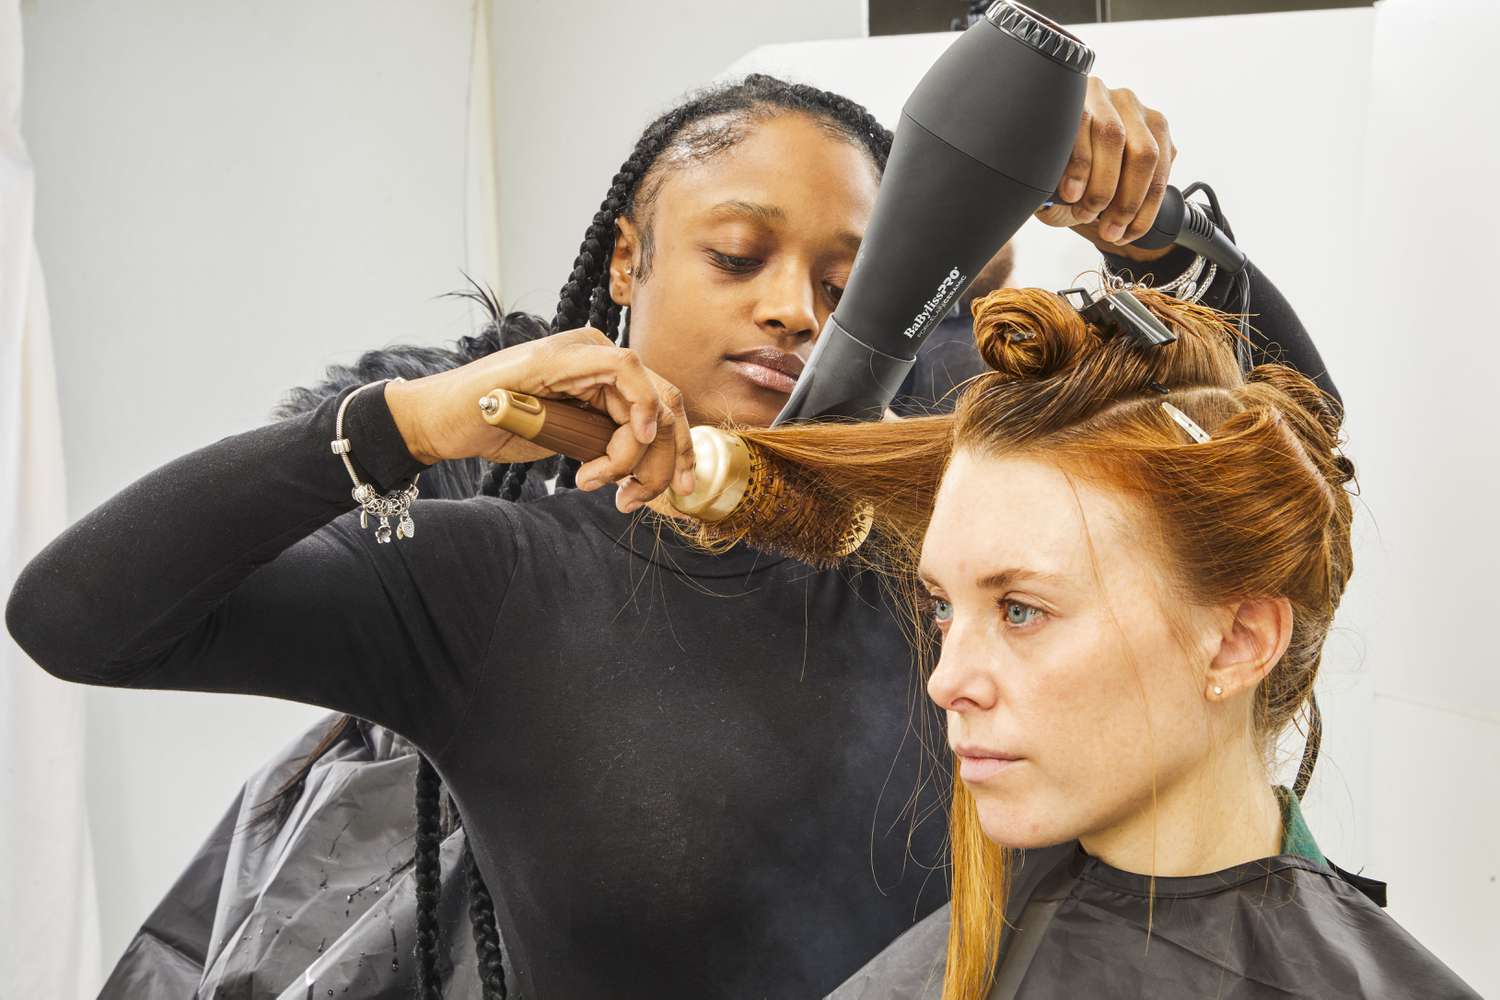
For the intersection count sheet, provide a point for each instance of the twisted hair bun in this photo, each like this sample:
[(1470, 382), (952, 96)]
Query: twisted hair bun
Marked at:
[(1028, 333)]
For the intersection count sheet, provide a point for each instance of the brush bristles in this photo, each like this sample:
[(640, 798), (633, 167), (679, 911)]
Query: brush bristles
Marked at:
[(785, 512)]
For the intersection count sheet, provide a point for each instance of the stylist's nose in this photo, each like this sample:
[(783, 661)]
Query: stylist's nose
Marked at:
[(786, 307), (962, 680)]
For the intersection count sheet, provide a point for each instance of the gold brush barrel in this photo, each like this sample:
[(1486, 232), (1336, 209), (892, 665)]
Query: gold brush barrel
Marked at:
[(736, 487)]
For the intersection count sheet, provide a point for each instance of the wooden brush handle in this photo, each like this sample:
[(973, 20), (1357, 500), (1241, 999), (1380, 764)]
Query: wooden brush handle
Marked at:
[(560, 425), (722, 460)]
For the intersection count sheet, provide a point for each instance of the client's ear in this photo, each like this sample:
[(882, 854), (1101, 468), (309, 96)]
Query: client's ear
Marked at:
[(624, 263), (1250, 645)]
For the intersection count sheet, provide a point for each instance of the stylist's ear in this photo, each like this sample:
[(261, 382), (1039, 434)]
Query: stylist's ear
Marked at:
[(623, 263), (1250, 645)]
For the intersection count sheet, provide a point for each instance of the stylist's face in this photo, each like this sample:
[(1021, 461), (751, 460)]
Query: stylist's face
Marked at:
[(752, 248), (1066, 687)]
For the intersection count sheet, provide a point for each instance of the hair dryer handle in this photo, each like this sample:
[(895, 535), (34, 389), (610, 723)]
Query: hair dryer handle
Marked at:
[(1183, 223)]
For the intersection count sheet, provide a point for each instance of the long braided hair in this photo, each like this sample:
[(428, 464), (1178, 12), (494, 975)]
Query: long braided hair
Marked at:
[(708, 122)]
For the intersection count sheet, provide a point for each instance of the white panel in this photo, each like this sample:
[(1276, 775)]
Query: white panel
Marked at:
[(1431, 358), (1435, 832)]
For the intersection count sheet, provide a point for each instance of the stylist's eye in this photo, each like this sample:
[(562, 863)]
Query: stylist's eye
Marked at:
[(834, 292), (736, 265), (1019, 614)]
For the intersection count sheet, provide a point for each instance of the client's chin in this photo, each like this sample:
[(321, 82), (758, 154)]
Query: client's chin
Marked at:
[(1014, 822)]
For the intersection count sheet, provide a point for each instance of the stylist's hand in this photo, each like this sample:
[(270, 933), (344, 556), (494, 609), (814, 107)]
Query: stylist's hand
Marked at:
[(438, 415), (1115, 180)]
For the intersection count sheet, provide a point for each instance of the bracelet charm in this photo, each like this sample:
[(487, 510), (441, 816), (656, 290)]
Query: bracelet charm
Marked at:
[(371, 503)]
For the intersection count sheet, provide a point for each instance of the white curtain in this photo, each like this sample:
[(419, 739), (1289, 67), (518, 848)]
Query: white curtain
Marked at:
[(481, 205), (49, 927)]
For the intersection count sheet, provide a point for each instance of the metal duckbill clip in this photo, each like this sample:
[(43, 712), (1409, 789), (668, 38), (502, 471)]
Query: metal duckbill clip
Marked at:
[(1115, 312)]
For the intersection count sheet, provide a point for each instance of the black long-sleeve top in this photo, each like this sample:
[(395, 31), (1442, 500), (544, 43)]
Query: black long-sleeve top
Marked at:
[(683, 775)]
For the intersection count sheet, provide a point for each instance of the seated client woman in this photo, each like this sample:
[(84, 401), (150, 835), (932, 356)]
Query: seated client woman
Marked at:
[(1129, 558)]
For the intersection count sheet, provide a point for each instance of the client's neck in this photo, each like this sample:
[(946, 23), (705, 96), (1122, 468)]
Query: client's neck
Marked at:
[(1222, 814)]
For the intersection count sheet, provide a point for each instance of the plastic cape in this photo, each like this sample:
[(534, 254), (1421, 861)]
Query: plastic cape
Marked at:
[(321, 907), (1281, 927)]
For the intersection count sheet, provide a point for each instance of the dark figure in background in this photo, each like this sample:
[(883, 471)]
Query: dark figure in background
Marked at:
[(948, 357)]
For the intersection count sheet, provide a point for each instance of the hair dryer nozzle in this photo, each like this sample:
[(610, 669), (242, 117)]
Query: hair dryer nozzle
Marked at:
[(1041, 33)]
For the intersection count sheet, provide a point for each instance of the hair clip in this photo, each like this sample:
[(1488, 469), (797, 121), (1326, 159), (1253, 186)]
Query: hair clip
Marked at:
[(1187, 423), (1116, 311), (1156, 386)]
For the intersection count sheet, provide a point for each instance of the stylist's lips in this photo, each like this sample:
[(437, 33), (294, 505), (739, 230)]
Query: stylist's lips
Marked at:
[(978, 764), (769, 368)]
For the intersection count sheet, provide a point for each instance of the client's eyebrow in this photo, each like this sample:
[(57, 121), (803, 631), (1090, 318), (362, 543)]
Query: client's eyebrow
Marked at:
[(999, 580)]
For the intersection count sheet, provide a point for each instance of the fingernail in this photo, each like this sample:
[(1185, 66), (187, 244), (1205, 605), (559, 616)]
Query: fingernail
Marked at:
[(686, 481), (1072, 189), (1110, 232), (650, 431)]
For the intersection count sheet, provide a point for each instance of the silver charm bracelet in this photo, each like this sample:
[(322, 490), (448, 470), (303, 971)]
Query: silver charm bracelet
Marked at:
[(1185, 286), (395, 504)]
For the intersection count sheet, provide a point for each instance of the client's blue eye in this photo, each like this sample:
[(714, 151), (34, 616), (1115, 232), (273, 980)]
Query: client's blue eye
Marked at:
[(940, 610), (1017, 613)]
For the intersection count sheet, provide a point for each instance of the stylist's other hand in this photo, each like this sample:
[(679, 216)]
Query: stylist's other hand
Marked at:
[(1116, 178), (438, 415)]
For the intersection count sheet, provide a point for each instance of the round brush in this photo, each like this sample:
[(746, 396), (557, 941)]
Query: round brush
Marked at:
[(740, 493)]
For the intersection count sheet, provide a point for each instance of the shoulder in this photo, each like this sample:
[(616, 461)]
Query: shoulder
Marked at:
[(1349, 943), (910, 968)]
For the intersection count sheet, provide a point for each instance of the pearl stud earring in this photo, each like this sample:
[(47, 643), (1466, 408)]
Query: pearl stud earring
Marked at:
[(1218, 690)]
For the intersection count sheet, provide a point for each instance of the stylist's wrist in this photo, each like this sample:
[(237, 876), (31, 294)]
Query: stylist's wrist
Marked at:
[(404, 401)]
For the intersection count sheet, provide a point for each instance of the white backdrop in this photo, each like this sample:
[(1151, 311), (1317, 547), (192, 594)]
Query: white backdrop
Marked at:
[(1354, 154)]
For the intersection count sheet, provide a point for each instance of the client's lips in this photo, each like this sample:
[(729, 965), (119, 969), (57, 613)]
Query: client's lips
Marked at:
[(980, 764), (769, 368)]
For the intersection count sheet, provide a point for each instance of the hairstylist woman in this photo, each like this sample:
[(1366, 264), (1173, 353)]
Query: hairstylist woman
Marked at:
[(1130, 563), (682, 775)]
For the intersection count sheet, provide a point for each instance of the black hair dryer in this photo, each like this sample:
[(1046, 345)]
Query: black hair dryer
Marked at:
[(980, 146)]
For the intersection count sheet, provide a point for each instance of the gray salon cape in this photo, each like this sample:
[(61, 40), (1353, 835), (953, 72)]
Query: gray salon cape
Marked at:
[(1281, 927), (326, 896)]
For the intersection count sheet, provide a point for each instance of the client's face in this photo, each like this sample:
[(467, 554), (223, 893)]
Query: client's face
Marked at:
[(752, 248), (1065, 683)]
